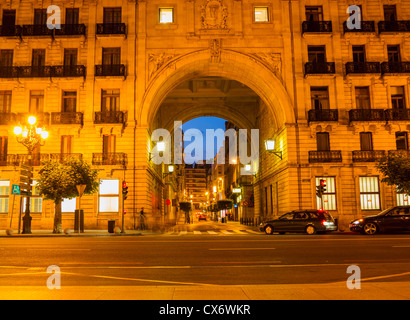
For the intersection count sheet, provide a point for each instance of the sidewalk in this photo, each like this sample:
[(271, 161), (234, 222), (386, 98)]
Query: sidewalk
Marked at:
[(86, 233)]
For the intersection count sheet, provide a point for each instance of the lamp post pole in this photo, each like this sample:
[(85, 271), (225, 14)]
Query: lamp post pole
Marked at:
[(31, 137)]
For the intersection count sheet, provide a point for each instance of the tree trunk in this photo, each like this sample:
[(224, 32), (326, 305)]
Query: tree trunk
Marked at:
[(57, 218)]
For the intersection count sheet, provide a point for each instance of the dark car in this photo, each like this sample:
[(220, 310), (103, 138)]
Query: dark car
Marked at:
[(308, 221), (394, 219)]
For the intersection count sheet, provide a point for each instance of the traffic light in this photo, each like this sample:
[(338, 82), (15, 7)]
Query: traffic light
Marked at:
[(321, 188), (124, 190)]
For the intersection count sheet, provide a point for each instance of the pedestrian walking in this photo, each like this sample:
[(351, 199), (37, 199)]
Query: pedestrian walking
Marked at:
[(142, 219)]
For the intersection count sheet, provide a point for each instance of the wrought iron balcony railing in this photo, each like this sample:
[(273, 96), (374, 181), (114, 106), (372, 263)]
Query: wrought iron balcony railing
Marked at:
[(367, 156), (400, 151), (395, 67), (394, 26), (109, 159), (106, 70), (22, 159), (36, 30), (397, 114), (365, 26), (110, 117), (43, 71), (64, 157), (319, 68), (71, 30), (323, 115), (67, 118), (8, 118), (69, 71), (111, 28), (37, 71), (363, 67), (367, 115), (43, 118), (317, 26), (325, 156), (10, 31)]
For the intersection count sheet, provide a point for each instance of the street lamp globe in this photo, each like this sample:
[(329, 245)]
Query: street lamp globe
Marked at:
[(32, 120), (18, 130)]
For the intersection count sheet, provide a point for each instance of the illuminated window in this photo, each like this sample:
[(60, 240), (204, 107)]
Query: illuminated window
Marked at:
[(403, 199), (166, 15), (369, 193), (261, 14), (68, 205), (109, 196), (329, 196), (4, 196)]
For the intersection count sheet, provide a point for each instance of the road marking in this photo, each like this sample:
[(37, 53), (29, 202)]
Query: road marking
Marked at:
[(197, 232), (228, 249), (225, 232), (211, 232), (400, 246), (239, 231), (183, 232)]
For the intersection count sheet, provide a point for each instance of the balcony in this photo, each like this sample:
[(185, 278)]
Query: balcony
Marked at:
[(111, 28), (110, 70), (325, 156), (397, 114), (34, 72), (363, 67), (323, 115), (367, 156), (395, 67), (69, 71), (367, 115), (43, 118), (109, 159), (110, 117), (8, 118), (394, 26), (36, 30), (64, 157), (319, 68), (22, 159), (402, 152), (71, 30), (10, 31), (67, 118), (365, 26), (316, 27)]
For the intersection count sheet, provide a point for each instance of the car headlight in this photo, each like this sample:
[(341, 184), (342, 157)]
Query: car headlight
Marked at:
[(357, 221)]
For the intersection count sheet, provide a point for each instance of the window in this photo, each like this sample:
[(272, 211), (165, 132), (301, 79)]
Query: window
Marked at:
[(402, 142), (369, 193), (111, 56), (38, 58), (402, 199), (3, 150), (9, 17), (4, 196), (261, 14), (6, 58), (112, 15), (393, 53), (108, 144), (390, 13), (328, 197), (322, 141), (366, 141), (110, 100), (362, 98), (397, 97), (36, 201), (68, 205), (5, 101), (36, 101), (69, 103), (70, 57), (72, 15), (319, 98), (109, 196), (359, 54), (317, 54), (40, 16), (166, 15), (314, 13), (66, 144)]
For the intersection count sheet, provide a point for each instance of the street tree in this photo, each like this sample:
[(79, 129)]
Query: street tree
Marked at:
[(58, 181), (396, 170)]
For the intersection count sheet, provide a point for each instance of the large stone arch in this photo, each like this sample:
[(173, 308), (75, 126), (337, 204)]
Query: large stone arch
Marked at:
[(233, 65)]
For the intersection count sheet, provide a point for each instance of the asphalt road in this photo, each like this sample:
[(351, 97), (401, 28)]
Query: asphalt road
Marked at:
[(204, 259)]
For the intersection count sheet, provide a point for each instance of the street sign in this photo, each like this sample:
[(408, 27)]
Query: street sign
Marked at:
[(25, 180), (81, 189), (15, 189)]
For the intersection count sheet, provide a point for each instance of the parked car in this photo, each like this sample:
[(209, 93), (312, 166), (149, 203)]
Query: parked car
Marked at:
[(307, 221), (394, 219), (202, 217)]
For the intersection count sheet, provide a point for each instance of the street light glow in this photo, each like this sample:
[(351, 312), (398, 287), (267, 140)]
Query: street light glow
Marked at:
[(32, 120)]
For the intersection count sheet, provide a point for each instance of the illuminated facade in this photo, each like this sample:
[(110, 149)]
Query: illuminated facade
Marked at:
[(333, 99)]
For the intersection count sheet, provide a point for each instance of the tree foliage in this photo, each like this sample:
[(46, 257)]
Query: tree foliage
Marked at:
[(396, 170)]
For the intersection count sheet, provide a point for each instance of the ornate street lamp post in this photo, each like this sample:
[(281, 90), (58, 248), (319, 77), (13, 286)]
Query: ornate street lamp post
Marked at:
[(30, 136)]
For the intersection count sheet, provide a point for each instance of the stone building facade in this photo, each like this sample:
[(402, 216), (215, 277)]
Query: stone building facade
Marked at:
[(332, 98)]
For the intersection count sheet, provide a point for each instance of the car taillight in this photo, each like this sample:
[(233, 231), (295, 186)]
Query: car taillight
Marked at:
[(323, 222)]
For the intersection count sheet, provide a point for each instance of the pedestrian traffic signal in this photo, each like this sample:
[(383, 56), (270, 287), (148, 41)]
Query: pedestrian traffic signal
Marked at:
[(124, 190)]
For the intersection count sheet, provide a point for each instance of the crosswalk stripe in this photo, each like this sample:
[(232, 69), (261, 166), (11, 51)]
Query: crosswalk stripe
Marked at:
[(239, 231), (183, 232), (225, 232), (197, 232), (211, 232)]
